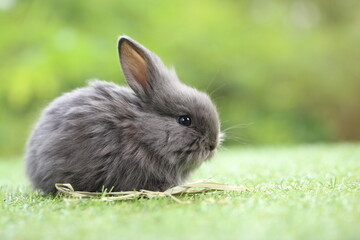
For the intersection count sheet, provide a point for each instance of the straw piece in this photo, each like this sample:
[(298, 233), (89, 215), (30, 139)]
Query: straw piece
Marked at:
[(198, 187)]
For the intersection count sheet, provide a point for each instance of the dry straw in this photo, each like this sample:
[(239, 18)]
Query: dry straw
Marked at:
[(199, 187)]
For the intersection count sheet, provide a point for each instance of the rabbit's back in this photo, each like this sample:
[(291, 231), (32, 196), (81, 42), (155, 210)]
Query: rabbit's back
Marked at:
[(79, 137)]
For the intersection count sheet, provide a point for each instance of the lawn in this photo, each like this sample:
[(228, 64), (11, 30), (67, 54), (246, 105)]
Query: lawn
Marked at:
[(296, 192)]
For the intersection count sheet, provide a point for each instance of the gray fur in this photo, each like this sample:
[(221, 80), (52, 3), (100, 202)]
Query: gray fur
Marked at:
[(105, 135)]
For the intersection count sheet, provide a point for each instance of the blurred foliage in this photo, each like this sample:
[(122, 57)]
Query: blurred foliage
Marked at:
[(280, 71)]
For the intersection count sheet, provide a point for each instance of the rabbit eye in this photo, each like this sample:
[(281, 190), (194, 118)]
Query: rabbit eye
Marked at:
[(184, 120)]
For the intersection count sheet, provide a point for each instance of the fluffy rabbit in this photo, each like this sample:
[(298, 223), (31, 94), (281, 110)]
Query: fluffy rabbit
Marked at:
[(148, 137)]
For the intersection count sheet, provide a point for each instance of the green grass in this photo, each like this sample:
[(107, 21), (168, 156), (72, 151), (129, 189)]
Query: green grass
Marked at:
[(305, 192)]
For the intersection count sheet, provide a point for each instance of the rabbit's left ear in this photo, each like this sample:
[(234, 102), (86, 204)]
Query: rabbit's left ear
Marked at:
[(139, 65)]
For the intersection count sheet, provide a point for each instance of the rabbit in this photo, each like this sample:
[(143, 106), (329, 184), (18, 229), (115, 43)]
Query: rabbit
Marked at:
[(149, 136)]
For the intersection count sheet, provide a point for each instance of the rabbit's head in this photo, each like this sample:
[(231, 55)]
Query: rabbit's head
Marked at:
[(176, 122)]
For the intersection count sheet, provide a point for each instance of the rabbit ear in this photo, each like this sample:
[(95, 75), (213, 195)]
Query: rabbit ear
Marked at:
[(137, 64)]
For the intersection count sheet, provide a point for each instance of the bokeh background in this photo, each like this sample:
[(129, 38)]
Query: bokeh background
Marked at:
[(280, 71)]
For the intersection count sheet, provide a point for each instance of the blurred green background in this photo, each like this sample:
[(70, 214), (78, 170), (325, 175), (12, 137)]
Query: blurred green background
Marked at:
[(280, 71)]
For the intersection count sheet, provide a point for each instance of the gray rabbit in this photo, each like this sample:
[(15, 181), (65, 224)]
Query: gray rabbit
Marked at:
[(148, 137)]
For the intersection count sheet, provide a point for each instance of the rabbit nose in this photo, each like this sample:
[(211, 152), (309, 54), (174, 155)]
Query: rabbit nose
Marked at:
[(212, 146)]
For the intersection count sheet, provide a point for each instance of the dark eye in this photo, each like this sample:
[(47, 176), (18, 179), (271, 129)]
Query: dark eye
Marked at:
[(185, 120)]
